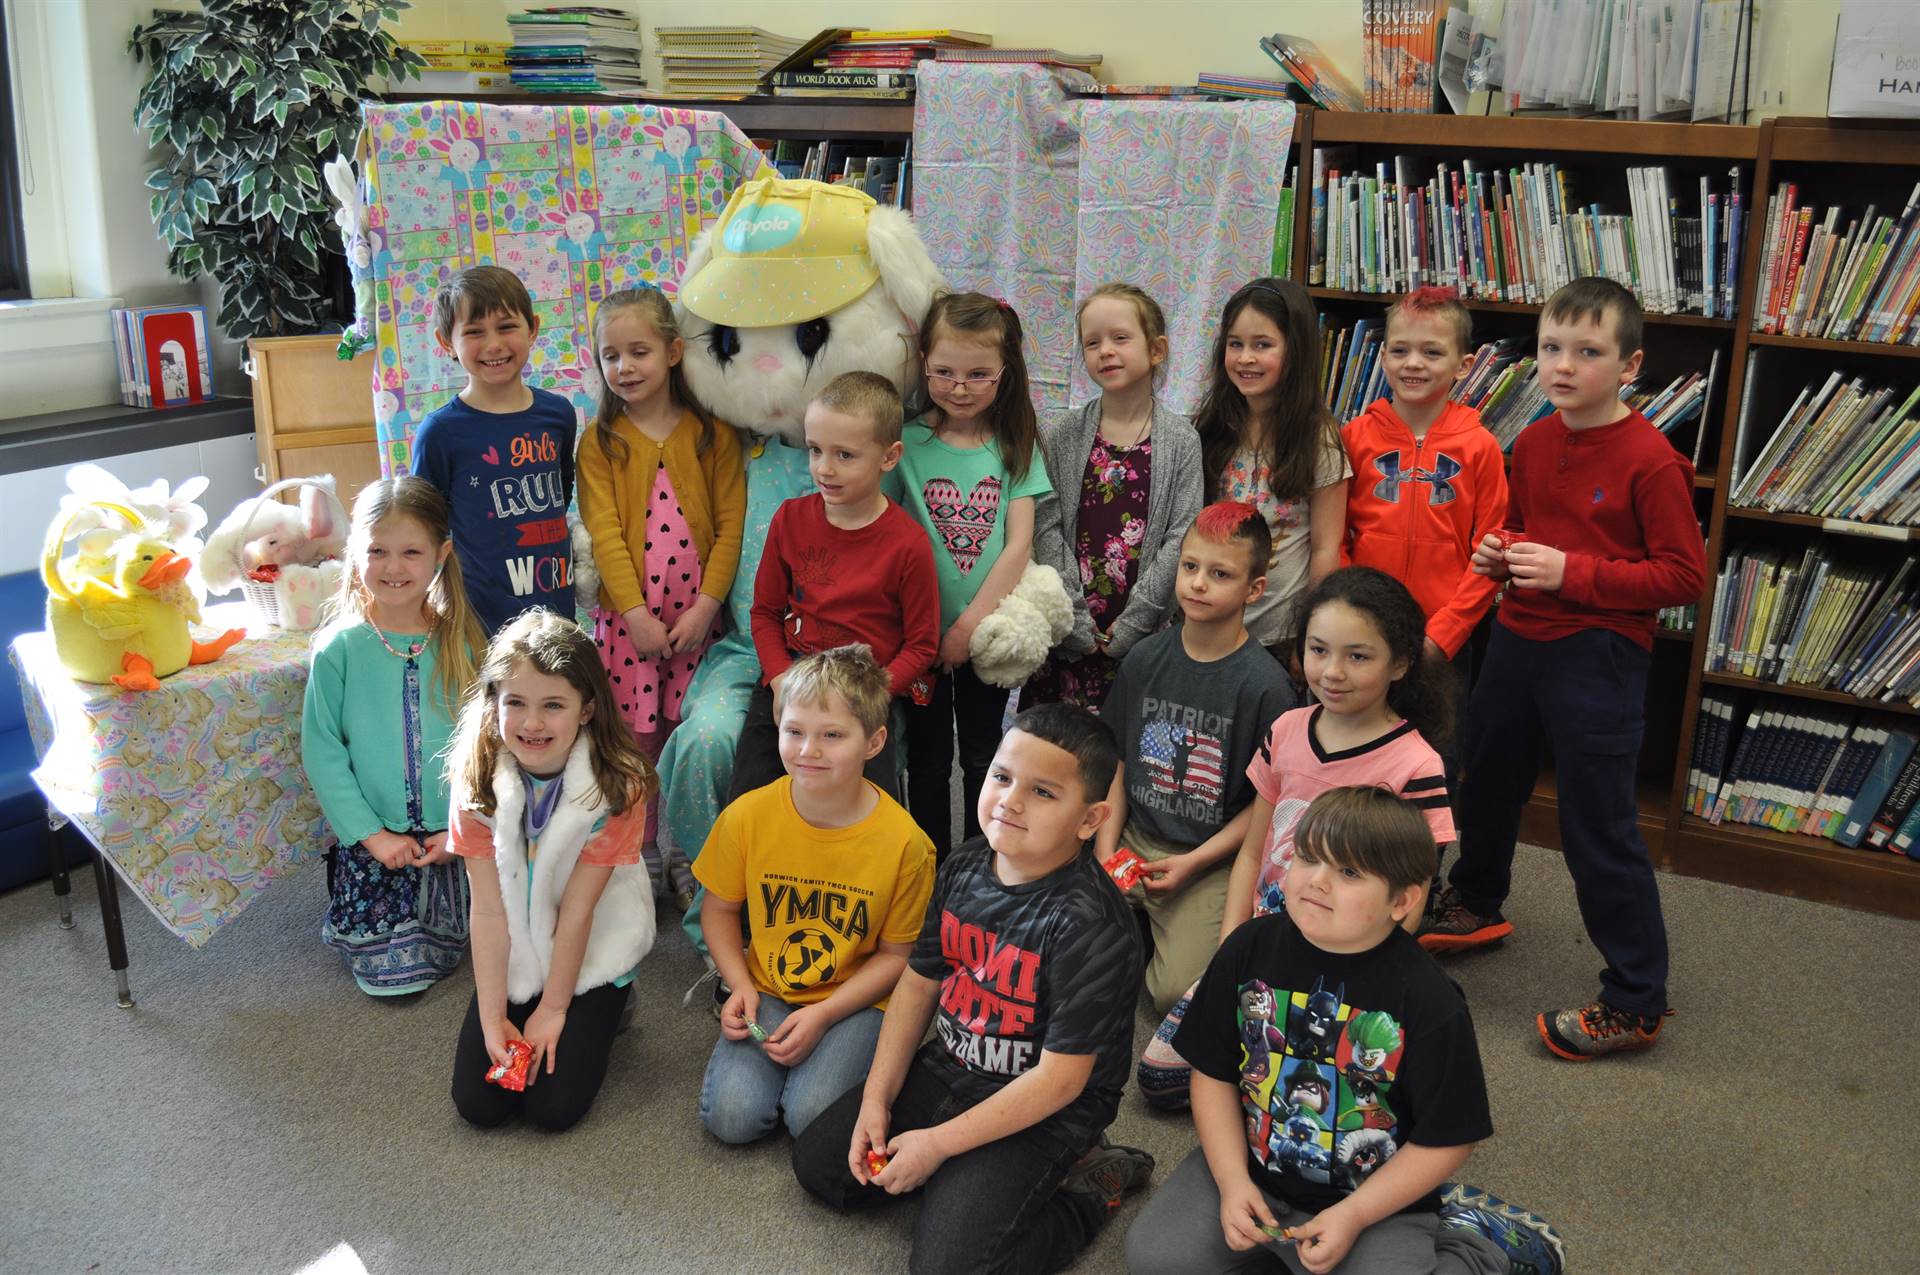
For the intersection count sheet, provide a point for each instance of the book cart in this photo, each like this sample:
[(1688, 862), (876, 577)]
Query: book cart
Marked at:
[(1851, 162)]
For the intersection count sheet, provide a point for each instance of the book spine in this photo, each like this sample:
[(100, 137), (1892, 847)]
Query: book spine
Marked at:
[(1900, 801), (1876, 786)]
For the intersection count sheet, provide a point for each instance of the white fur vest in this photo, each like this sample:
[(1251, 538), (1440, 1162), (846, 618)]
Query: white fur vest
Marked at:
[(622, 921)]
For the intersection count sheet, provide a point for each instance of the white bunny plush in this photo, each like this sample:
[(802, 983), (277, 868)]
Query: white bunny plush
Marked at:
[(1009, 645), (260, 532), (356, 242), (797, 282)]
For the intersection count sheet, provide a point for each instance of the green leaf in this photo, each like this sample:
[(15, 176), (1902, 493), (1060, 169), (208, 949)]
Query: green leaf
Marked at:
[(211, 127), (159, 179), (276, 206), (306, 176)]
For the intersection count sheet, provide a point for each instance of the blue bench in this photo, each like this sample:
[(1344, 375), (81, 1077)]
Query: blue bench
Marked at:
[(23, 811)]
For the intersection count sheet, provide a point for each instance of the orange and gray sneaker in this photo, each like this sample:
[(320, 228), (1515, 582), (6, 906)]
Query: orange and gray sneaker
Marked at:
[(1453, 927), (1596, 1029)]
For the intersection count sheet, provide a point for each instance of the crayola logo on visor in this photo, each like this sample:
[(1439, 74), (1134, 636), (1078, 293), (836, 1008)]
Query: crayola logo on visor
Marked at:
[(762, 228)]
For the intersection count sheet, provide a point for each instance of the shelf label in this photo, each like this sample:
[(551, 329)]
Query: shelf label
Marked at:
[(1872, 530)]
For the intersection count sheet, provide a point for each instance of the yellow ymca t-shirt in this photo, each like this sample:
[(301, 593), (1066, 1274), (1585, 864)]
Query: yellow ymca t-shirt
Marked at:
[(817, 902)]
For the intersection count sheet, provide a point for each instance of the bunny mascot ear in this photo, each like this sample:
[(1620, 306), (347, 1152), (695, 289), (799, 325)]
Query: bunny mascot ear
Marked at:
[(907, 273), (316, 510)]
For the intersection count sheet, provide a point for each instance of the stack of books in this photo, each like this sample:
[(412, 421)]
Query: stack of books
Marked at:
[(1860, 284), (1812, 620), (162, 355), (1402, 39), (898, 50), (1518, 234), (1853, 779), (461, 66), (1220, 84), (576, 49), (1843, 450), (1313, 71), (718, 62)]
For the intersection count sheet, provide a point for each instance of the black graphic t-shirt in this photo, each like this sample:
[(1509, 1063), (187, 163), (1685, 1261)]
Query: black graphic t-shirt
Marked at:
[(1053, 964), (1339, 1058)]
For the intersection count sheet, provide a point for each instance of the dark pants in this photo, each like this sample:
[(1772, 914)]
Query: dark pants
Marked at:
[(1585, 696), (961, 703), (1459, 672), (995, 1208), (756, 754), (553, 1102)]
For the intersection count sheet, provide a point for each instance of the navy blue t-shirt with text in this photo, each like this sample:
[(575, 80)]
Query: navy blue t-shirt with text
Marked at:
[(507, 477)]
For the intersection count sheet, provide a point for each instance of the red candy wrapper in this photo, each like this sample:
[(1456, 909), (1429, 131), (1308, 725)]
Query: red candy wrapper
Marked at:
[(920, 691), (513, 1074), (1508, 538), (1126, 868), (265, 573), (876, 1161)]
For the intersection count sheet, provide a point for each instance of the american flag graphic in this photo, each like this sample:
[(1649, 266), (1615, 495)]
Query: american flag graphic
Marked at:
[(1160, 745)]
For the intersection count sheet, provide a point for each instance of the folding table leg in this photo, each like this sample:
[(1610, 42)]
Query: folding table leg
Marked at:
[(57, 866), (108, 883)]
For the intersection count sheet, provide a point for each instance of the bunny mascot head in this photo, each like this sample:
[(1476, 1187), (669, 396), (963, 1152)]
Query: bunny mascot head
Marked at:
[(797, 282)]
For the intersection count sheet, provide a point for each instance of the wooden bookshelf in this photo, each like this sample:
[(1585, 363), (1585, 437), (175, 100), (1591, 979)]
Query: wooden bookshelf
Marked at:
[(1805, 867)]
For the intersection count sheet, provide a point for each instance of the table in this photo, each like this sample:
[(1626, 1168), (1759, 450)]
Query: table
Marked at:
[(194, 793)]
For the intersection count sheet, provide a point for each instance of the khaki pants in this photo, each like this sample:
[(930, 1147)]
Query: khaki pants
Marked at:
[(1185, 926)]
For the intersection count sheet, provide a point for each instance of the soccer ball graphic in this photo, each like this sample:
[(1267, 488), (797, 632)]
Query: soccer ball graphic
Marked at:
[(806, 958)]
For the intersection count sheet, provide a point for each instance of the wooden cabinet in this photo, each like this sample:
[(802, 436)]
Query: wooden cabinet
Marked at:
[(313, 413)]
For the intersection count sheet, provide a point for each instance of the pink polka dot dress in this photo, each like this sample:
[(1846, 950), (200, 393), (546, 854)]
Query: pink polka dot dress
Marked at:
[(648, 692)]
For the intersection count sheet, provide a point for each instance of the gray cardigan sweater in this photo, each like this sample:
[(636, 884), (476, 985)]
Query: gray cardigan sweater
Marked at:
[(1172, 502)]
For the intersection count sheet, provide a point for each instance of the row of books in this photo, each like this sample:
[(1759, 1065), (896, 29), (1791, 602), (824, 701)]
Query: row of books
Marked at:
[(1860, 284), (1815, 619), (1401, 42), (1852, 778), (1845, 449), (1648, 59), (1516, 234), (162, 355), (1677, 619), (870, 166), (575, 49), (718, 61)]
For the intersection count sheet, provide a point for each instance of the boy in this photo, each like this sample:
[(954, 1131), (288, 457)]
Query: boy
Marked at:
[(1027, 966), (836, 876), (1190, 705), (1326, 1046), (843, 565), (1429, 482), (1600, 534), (501, 452)]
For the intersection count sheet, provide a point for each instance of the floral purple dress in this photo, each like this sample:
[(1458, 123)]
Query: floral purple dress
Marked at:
[(1112, 522)]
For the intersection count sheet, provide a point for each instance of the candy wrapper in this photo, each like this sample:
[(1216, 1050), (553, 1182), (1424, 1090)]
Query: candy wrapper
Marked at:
[(1508, 538), (1126, 868), (758, 1033), (876, 1161), (1279, 1234), (512, 1074)]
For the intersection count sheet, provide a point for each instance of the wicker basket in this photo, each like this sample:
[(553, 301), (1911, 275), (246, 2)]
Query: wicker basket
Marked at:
[(263, 595)]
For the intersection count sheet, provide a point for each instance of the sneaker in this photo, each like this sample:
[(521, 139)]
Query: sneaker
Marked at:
[(683, 899), (1596, 1029), (1453, 928), (1109, 1172), (1532, 1247)]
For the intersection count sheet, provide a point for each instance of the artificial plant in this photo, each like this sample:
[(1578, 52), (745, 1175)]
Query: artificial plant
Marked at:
[(246, 100)]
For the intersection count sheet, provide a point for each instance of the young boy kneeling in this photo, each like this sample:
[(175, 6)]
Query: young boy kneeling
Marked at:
[(836, 877), (1027, 966), (1336, 1082)]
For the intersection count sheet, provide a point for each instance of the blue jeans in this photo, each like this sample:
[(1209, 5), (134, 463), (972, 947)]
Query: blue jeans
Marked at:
[(746, 1092)]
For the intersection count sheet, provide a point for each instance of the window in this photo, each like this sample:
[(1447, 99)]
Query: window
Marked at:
[(13, 239)]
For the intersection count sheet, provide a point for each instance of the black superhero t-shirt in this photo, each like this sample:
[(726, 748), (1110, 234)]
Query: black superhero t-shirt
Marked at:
[(1339, 1059), (1052, 964)]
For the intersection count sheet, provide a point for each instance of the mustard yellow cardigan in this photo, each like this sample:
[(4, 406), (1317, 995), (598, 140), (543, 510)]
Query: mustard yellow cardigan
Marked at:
[(712, 490)]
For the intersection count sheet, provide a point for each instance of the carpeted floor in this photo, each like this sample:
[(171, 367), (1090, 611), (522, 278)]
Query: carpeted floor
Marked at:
[(255, 1111)]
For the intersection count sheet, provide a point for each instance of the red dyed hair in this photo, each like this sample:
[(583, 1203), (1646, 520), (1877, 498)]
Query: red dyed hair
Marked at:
[(1225, 521), (1434, 302)]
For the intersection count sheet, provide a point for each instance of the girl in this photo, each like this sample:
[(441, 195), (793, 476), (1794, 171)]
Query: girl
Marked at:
[(552, 793), (387, 672), (1136, 465), (1267, 439), (967, 474), (663, 495), (1382, 709)]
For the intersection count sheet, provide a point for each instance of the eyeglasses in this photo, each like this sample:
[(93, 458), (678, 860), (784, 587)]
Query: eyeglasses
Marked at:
[(971, 382)]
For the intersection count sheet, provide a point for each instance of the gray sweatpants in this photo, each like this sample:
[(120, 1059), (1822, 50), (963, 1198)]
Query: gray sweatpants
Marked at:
[(1178, 1233)]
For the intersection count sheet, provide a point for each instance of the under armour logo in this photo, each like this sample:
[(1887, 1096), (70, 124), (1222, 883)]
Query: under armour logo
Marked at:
[(1440, 490), (1599, 494)]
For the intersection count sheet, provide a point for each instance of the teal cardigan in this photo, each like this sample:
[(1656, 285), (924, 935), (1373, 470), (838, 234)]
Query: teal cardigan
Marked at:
[(350, 735)]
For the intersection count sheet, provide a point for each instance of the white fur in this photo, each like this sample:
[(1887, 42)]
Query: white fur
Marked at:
[(301, 593), (586, 573), (1012, 642), (308, 535)]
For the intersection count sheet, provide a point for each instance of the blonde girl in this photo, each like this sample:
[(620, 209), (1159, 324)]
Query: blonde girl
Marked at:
[(1127, 481), (387, 674), (1267, 439), (970, 473), (550, 795), (664, 496)]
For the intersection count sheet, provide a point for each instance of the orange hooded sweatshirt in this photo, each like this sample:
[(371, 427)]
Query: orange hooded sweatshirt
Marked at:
[(1415, 510)]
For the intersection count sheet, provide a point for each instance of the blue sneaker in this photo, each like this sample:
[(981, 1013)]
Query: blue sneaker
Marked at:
[(1533, 1247)]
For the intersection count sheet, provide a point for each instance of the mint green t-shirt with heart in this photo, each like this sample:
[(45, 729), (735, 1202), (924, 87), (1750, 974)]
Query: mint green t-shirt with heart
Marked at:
[(960, 495)]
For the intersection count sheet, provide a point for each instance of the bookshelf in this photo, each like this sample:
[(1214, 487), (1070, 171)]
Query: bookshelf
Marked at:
[(1829, 157)]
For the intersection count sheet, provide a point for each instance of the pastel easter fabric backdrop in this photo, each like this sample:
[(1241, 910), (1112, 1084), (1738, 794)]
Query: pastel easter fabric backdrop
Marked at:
[(1026, 192), (579, 201)]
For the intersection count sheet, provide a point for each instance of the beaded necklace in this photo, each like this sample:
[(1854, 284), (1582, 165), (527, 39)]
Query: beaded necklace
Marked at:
[(415, 644)]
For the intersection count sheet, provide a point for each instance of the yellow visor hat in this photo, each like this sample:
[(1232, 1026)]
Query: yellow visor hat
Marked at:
[(784, 252)]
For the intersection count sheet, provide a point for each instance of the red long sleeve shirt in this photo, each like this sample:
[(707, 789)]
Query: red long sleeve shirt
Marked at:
[(1618, 501), (820, 586)]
